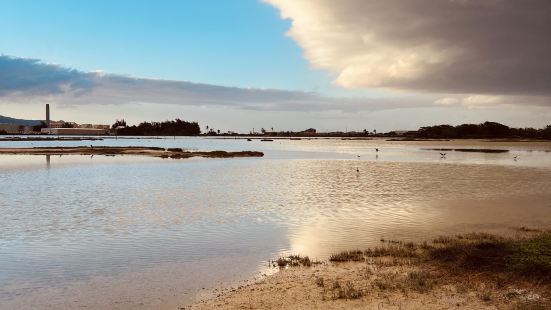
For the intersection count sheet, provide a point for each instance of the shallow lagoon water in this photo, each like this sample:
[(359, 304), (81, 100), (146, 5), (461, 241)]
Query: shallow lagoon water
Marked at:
[(140, 232)]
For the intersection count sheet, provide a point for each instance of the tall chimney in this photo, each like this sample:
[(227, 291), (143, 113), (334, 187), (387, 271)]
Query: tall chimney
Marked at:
[(48, 115)]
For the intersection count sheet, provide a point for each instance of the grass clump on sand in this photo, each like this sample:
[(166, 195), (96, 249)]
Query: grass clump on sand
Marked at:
[(346, 291), (348, 256), (336, 290), (394, 249), (294, 261), (420, 281)]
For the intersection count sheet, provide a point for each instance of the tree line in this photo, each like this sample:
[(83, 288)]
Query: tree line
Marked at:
[(176, 127), (486, 130)]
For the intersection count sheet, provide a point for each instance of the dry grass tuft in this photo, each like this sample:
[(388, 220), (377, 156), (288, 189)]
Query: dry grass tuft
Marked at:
[(420, 281), (348, 256), (294, 261), (346, 291)]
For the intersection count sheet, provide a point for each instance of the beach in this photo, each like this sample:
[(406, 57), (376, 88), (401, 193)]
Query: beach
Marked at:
[(470, 271)]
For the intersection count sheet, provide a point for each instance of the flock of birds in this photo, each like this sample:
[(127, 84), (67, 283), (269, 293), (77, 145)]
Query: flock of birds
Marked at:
[(442, 156)]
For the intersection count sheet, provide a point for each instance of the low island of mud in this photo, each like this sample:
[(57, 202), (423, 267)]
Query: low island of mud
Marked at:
[(176, 153)]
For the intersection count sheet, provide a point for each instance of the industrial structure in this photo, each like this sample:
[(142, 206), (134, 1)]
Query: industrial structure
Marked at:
[(48, 115), (72, 128)]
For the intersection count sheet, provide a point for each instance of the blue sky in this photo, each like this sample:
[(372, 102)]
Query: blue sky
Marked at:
[(287, 64), (232, 43)]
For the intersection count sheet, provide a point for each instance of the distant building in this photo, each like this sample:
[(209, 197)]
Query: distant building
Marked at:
[(106, 127), (75, 131), (94, 126), (16, 129), (62, 124)]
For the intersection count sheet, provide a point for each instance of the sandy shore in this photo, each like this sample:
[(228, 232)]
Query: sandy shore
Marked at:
[(435, 275), (175, 153)]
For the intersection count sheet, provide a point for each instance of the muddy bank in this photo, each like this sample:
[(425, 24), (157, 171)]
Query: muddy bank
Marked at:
[(20, 139), (471, 271), (176, 153)]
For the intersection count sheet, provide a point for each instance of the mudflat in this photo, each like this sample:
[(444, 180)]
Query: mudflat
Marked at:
[(175, 153)]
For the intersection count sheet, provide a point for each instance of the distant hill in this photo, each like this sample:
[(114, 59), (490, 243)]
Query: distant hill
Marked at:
[(25, 122)]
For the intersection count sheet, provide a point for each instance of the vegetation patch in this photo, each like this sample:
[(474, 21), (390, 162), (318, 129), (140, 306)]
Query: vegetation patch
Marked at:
[(420, 281), (528, 258), (348, 256), (393, 249), (294, 261)]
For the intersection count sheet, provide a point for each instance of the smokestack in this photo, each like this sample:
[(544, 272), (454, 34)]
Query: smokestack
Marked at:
[(48, 115)]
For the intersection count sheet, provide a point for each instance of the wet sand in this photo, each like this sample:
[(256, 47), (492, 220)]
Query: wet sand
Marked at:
[(175, 153)]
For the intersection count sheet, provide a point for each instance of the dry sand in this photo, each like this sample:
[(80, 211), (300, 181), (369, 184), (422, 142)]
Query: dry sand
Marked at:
[(299, 288), (382, 282)]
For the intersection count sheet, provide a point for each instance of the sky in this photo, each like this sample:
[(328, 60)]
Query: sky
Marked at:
[(286, 64)]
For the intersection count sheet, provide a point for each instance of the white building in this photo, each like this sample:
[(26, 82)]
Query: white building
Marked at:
[(74, 131)]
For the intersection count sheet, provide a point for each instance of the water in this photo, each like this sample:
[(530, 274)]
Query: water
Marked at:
[(140, 232)]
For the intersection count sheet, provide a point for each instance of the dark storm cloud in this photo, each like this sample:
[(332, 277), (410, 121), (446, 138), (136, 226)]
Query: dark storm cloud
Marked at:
[(445, 46)]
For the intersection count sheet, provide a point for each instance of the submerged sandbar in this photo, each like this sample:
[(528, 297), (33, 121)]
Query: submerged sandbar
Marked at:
[(175, 153)]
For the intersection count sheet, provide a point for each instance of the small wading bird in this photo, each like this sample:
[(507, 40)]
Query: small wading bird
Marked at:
[(516, 157)]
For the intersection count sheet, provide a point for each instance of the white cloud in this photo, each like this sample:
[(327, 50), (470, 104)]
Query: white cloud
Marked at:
[(447, 101)]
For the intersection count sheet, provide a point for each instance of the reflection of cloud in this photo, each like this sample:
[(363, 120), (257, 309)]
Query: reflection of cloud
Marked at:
[(24, 79), (444, 46)]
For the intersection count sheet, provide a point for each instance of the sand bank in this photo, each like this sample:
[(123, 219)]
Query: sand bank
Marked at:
[(473, 271), (175, 153)]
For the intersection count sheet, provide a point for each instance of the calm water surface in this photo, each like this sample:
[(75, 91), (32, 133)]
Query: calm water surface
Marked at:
[(136, 232)]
